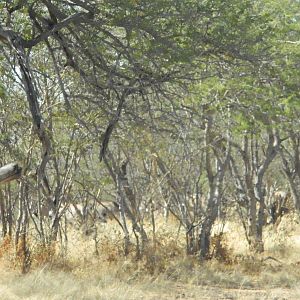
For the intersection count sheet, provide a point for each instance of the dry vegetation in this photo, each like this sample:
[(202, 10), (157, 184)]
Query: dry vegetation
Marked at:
[(164, 272), (131, 107)]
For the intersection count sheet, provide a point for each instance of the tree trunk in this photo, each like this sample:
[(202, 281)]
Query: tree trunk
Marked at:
[(122, 205), (22, 249), (192, 245), (204, 239), (3, 214)]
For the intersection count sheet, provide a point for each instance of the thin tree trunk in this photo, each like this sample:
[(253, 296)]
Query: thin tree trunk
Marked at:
[(121, 201), (3, 213)]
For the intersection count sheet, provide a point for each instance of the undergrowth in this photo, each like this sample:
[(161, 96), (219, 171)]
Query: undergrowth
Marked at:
[(163, 259)]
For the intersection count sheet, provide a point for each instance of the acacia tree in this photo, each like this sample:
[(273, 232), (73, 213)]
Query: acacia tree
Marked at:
[(128, 61), (285, 74), (122, 49)]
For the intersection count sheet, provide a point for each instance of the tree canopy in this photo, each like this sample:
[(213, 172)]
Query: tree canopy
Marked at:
[(182, 99)]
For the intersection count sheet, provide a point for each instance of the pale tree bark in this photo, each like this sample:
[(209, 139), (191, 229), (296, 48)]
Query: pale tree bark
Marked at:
[(250, 183), (218, 153), (22, 248), (127, 202), (290, 158), (179, 203), (17, 44), (196, 218)]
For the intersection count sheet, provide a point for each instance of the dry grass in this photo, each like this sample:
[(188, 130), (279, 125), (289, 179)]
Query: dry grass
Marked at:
[(164, 272), (99, 284)]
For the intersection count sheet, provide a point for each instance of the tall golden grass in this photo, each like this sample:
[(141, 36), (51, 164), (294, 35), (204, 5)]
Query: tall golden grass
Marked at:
[(74, 271)]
